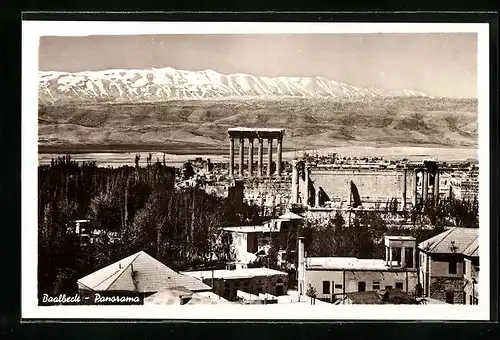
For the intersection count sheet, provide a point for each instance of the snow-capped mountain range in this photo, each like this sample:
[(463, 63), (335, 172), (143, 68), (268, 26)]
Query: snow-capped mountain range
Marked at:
[(160, 84)]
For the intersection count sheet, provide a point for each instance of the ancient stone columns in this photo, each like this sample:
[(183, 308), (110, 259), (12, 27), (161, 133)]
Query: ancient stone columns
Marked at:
[(269, 156), (436, 187), (306, 185), (424, 189), (278, 161), (404, 188), (295, 182), (242, 155), (250, 157), (231, 156), (261, 145), (425, 186), (260, 135), (415, 188), (301, 190)]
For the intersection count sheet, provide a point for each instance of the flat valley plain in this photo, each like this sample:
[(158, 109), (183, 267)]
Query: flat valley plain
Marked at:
[(400, 126)]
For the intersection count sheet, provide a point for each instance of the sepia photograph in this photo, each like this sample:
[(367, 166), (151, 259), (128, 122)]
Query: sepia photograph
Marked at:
[(283, 171)]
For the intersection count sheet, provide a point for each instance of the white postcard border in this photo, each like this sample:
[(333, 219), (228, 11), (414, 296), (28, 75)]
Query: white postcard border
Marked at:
[(32, 30)]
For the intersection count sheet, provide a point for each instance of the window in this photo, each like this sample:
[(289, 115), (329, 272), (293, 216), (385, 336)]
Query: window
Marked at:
[(399, 285), (326, 287), (452, 267), (338, 286), (388, 287), (376, 285), (361, 286), (409, 257)]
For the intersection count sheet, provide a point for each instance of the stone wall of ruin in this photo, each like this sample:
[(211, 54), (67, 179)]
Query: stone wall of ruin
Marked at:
[(379, 185)]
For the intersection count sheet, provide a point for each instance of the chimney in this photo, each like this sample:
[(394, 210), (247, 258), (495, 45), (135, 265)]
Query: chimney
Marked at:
[(184, 299), (301, 266)]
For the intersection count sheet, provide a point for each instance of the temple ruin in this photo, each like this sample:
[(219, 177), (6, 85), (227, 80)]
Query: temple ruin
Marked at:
[(260, 135)]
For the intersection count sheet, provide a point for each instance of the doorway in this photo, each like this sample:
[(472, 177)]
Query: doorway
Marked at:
[(361, 286), (449, 297)]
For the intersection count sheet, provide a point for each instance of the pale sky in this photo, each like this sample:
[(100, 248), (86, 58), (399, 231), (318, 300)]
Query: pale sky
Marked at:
[(439, 64)]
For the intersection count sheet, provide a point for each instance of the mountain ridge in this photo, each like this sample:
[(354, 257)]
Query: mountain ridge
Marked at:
[(164, 84), (309, 123)]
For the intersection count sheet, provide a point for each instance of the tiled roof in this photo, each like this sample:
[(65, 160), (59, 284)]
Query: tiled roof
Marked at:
[(473, 249), (171, 296), (365, 298), (452, 241), (390, 296), (149, 275)]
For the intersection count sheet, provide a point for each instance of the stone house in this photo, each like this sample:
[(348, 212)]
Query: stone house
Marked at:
[(448, 264), (138, 275)]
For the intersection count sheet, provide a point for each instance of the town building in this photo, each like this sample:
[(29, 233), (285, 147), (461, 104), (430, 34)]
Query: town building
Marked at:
[(79, 232), (227, 283), (449, 266), (334, 277), (471, 273), (136, 275), (251, 241)]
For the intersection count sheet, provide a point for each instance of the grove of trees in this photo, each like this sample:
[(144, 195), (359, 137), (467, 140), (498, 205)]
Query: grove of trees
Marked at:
[(180, 227), (363, 237)]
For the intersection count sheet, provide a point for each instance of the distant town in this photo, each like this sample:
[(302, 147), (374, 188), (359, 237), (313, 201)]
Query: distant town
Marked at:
[(321, 229)]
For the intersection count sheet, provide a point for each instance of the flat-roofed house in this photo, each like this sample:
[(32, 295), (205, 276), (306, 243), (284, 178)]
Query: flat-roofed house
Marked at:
[(449, 266), (136, 275), (255, 281), (334, 277)]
